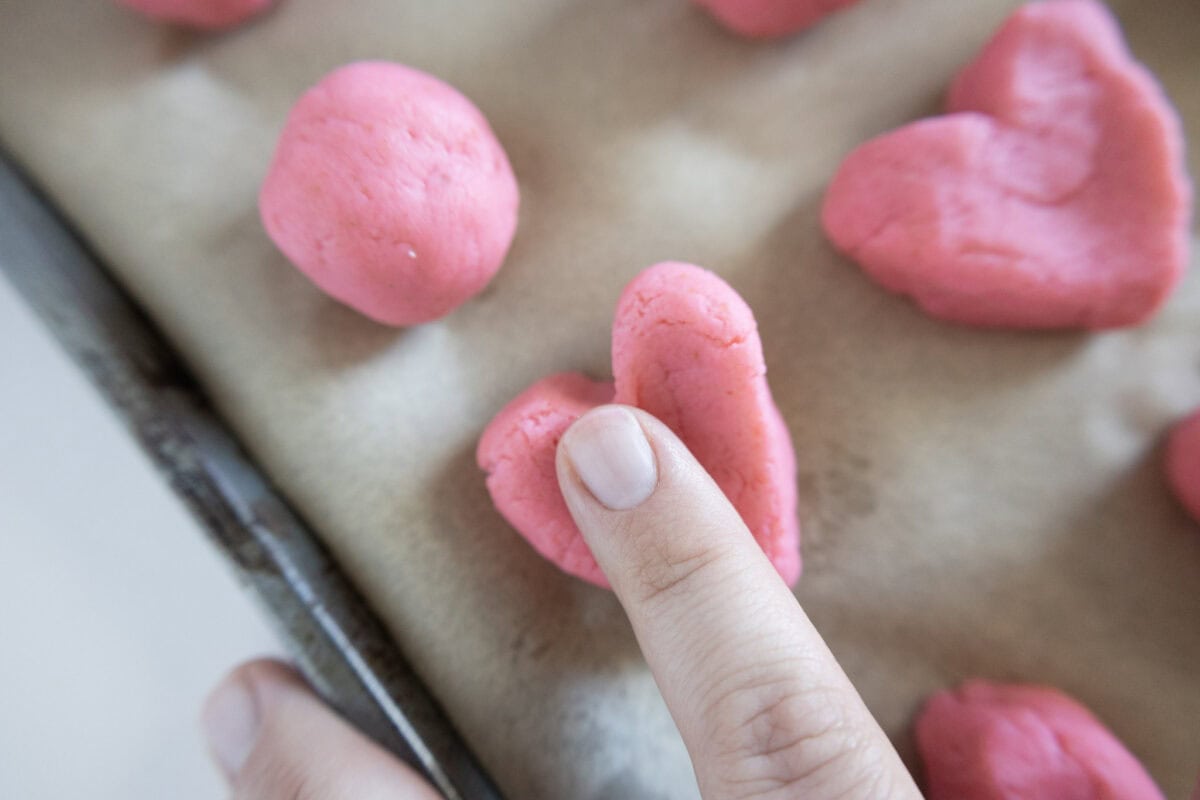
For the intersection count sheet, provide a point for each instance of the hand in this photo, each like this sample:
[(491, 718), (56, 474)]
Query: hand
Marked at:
[(764, 709), (273, 739)]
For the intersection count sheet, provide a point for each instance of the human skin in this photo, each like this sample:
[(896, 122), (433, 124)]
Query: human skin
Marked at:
[(1052, 194), (685, 347), (763, 707)]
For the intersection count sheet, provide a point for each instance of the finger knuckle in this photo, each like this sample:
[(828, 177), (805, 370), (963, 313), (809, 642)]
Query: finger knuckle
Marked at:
[(263, 671), (780, 738)]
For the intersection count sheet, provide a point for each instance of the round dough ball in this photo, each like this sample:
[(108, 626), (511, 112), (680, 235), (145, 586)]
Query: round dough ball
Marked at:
[(389, 190), (205, 14)]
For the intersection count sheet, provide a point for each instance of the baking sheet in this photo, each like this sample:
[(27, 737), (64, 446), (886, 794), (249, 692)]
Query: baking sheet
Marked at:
[(336, 642), (973, 502)]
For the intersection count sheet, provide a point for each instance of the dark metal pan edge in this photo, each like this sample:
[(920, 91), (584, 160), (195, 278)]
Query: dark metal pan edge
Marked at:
[(338, 642)]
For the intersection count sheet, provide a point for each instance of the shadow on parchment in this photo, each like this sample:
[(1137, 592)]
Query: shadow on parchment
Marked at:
[(1165, 41), (178, 42), (549, 623), (812, 303), (1108, 613), (338, 336), (830, 334), (1105, 609), (334, 336)]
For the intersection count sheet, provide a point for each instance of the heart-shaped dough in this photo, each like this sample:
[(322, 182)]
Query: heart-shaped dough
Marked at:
[(990, 741), (1052, 195), (686, 349)]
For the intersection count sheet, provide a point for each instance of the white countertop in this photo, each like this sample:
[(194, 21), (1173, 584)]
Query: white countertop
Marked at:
[(117, 614)]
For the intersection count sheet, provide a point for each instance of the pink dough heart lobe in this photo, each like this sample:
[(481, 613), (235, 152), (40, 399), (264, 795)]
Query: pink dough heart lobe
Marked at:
[(685, 348)]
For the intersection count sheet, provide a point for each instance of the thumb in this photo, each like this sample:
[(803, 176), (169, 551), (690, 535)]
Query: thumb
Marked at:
[(274, 740), (763, 707)]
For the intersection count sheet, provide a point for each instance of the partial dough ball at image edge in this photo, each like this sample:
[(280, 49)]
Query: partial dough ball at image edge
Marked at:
[(389, 190), (200, 14), (995, 741), (770, 19)]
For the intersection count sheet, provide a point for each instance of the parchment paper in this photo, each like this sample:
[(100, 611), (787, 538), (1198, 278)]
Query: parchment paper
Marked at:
[(973, 502)]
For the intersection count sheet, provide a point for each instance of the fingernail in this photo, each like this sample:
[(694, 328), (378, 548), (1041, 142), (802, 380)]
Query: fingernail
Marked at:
[(231, 723), (610, 454)]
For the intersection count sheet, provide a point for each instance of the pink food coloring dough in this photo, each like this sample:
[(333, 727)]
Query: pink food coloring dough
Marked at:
[(990, 741), (389, 190), (202, 14), (767, 19), (1052, 194), (685, 348)]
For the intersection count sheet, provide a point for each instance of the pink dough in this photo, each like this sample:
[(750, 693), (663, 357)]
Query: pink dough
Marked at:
[(1183, 463), (685, 348), (987, 741), (204, 14), (766, 19), (1052, 195), (517, 452), (390, 192)]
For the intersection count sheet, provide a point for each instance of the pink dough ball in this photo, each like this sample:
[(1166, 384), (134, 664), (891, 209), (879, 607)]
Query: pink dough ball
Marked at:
[(204, 14), (685, 348), (389, 190), (517, 450)]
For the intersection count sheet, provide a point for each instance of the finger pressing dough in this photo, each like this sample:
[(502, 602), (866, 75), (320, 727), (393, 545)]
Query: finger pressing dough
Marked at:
[(685, 348)]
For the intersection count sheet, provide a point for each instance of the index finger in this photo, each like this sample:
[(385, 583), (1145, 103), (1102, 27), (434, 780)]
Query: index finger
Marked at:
[(762, 704)]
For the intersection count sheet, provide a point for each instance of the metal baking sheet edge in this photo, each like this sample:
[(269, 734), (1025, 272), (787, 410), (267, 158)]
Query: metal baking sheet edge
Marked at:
[(338, 642)]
